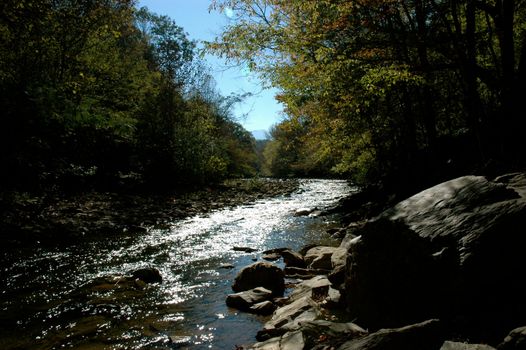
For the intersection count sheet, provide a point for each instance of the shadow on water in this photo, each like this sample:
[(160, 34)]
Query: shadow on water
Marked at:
[(76, 297)]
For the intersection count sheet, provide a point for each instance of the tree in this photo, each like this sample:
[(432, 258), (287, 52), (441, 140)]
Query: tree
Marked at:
[(402, 75)]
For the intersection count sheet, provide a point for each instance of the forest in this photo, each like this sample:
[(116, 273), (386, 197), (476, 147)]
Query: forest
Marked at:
[(100, 93), (399, 92), (103, 95)]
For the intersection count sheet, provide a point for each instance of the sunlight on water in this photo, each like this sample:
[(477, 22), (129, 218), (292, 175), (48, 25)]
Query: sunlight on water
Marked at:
[(188, 308)]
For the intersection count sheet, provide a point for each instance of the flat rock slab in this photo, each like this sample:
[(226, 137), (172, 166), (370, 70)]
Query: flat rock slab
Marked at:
[(246, 299)]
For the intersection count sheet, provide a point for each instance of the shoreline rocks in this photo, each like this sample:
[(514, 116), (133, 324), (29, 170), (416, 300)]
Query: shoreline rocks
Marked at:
[(441, 267), (260, 274)]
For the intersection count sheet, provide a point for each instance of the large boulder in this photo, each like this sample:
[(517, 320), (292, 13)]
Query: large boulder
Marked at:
[(260, 274), (515, 340), (453, 251), (425, 335)]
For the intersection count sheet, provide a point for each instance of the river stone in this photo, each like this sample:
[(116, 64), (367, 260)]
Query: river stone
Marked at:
[(260, 274), (515, 340), (315, 330), (450, 345), (293, 259), (425, 335), (304, 211), (305, 288), (288, 341), (244, 300), (271, 256), (319, 257), (452, 251), (264, 308), (291, 312), (148, 275)]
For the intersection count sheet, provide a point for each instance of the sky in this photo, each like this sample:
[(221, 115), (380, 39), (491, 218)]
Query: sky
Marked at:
[(258, 112)]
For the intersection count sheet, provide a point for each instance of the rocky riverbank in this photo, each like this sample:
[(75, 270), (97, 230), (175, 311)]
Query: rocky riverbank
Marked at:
[(49, 218), (443, 269)]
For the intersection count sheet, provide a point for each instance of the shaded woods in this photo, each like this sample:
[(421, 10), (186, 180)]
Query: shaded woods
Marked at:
[(99, 94), (403, 92)]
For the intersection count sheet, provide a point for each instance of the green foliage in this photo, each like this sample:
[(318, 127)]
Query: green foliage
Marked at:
[(378, 84), (94, 90)]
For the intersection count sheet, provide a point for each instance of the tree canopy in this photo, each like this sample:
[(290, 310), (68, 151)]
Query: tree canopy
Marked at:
[(98, 92), (377, 89)]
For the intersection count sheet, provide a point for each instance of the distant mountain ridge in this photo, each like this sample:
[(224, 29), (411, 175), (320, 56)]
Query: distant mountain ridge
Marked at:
[(260, 134)]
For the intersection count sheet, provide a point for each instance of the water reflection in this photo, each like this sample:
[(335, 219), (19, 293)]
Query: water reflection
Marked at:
[(50, 294)]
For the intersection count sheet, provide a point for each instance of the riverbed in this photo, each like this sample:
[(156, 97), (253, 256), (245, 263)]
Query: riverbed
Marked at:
[(49, 299)]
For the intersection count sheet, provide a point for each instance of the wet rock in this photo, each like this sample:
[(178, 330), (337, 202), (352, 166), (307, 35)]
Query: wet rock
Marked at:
[(319, 257), (271, 256), (260, 274), (227, 266), (288, 341), (148, 275), (264, 308), (305, 248), (246, 299), (449, 345), (290, 316), (425, 335), (244, 249), (304, 211), (515, 340), (293, 259), (274, 250)]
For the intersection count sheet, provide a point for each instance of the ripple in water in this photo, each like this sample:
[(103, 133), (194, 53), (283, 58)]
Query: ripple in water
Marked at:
[(46, 302)]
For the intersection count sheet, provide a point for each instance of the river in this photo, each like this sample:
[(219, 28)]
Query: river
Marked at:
[(49, 300)]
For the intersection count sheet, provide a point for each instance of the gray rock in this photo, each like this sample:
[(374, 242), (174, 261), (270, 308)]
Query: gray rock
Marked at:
[(425, 335), (305, 288), (264, 308), (515, 340), (246, 299), (260, 274), (319, 257), (271, 256), (455, 249), (312, 330), (293, 259), (450, 345), (288, 341), (339, 258)]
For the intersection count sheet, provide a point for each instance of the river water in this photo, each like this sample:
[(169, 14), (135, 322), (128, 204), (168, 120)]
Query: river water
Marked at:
[(49, 300)]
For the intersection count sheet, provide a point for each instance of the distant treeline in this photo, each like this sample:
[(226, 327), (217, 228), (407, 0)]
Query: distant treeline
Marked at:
[(98, 93), (399, 91)]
